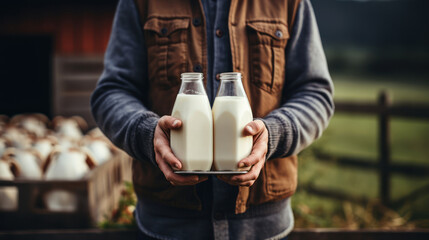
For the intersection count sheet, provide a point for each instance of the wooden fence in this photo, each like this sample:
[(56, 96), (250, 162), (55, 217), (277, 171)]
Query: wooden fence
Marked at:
[(384, 110)]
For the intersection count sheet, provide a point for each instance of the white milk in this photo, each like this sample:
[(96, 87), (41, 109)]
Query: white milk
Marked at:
[(230, 116), (193, 142)]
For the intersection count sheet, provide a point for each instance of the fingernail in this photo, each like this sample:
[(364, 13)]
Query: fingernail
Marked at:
[(249, 128), (175, 123), (176, 165), (240, 165)]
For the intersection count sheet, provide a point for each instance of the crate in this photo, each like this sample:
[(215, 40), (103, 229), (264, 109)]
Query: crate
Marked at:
[(97, 193)]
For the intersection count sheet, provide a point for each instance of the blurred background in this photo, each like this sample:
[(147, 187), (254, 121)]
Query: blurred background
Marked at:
[(371, 167), (51, 54)]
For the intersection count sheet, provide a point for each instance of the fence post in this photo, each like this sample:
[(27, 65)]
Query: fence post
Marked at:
[(384, 102)]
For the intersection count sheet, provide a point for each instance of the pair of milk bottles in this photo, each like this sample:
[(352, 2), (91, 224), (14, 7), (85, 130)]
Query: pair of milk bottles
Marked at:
[(211, 136)]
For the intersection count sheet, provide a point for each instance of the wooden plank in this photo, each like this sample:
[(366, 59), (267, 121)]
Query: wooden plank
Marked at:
[(359, 162), (90, 234), (75, 100), (81, 59), (72, 112), (48, 184), (56, 86), (81, 77), (77, 85), (79, 67), (384, 147), (365, 108), (410, 110), (341, 234), (366, 163), (400, 109)]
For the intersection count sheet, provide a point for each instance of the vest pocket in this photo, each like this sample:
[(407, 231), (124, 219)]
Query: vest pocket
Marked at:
[(166, 42), (281, 176), (267, 43)]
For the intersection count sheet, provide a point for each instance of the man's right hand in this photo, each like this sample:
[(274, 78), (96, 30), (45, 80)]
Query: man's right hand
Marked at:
[(165, 157)]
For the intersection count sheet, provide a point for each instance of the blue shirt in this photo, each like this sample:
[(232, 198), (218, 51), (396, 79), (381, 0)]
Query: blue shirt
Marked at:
[(218, 46)]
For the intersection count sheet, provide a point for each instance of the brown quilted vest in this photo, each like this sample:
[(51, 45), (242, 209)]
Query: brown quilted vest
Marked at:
[(175, 37)]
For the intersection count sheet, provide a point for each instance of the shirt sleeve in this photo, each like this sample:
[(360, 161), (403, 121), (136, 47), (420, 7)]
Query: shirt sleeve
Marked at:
[(307, 103), (119, 102)]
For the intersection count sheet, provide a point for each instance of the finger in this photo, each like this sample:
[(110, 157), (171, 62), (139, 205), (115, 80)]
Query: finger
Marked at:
[(252, 159), (259, 151), (252, 175), (247, 184), (169, 122), (200, 179), (176, 179), (162, 147), (228, 180), (238, 179), (225, 178), (171, 160), (253, 128)]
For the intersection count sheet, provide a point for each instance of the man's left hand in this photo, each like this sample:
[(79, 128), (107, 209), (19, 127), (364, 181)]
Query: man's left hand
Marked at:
[(255, 160)]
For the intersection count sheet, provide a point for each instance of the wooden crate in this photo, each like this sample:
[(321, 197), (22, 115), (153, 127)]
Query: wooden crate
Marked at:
[(97, 193)]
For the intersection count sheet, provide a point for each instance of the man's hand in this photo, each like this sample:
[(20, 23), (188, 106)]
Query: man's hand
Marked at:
[(255, 160), (164, 156)]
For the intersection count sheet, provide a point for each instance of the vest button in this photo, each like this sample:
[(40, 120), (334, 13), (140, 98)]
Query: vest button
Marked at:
[(218, 76), (218, 216), (196, 22), (279, 34), (198, 68), (164, 31), (219, 33)]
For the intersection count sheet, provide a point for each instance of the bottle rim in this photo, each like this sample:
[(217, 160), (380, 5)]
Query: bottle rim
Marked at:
[(230, 76), (192, 76)]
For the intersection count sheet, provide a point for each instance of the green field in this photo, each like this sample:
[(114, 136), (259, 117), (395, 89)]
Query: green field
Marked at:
[(356, 136)]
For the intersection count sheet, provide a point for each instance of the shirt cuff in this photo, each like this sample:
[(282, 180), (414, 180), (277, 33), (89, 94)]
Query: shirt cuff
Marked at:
[(280, 136), (144, 135)]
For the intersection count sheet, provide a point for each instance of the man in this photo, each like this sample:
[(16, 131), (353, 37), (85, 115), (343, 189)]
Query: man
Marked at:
[(276, 46)]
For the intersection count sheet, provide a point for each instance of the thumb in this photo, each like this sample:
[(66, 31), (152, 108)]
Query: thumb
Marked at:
[(253, 128), (169, 122)]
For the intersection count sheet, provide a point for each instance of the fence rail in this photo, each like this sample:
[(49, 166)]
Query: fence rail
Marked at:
[(403, 109), (384, 110), (366, 163)]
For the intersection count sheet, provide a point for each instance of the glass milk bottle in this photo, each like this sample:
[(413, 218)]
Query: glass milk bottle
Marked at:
[(231, 113), (192, 144)]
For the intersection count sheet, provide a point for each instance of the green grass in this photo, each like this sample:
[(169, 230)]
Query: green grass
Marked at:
[(365, 88), (356, 135)]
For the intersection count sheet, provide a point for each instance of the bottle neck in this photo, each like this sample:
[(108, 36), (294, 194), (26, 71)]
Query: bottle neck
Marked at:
[(192, 84), (231, 85)]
